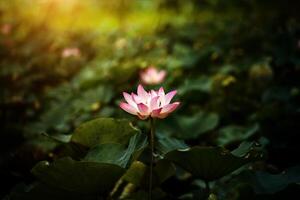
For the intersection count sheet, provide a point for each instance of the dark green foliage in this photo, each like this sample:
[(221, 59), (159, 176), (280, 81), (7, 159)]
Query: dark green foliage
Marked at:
[(209, 163), (235, 65), (82, 177)]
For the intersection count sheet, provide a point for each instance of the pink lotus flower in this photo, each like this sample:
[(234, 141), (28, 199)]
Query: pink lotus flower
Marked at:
[(152, 76), (155, 104)]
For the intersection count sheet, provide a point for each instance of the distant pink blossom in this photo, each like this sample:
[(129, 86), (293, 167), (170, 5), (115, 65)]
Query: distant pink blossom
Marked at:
[(69, 52), (155, 104), (152, 76), (6, 29)]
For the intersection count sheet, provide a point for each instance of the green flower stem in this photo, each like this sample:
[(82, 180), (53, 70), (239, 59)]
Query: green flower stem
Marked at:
[(207, 188), (151, 141)]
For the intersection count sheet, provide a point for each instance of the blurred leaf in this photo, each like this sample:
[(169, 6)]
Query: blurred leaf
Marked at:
[(69, 106), (193, 126), (276, 94), (101, 94), (235, 133), (167, 144), (265, 183), (243, 149), (209, 163), (188, 57), (62, 138), (43, 143), (202, 84), (104, 130), (78, 176)]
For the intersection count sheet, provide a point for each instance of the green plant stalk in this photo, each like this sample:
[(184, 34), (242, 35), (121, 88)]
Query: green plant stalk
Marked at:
[(151, 142), (207, 187)]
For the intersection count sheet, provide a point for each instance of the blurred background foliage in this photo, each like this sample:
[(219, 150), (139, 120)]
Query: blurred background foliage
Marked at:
[(235, 64)]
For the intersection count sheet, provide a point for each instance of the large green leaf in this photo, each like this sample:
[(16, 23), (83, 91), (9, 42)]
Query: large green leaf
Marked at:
[(208, 163), (107, 153), (115, 153), (78, 176), (104, 130), (136, 145), (190, 127)]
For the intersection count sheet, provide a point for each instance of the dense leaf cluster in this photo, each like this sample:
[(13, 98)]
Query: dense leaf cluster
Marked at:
[(235, 64)]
